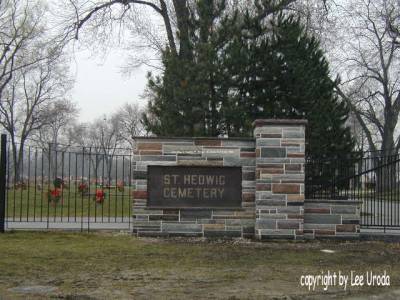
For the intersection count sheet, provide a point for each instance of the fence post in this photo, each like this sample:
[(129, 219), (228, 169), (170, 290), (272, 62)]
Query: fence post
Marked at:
[(3, 171)]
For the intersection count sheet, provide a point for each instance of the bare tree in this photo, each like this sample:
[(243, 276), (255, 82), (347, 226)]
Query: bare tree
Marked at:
[(130, 122), (61, 116), (359, 38), (319, 19), (369, 71), (104, 139), (21, 27), (366, 58), (26, 102), (157, 22), (54, 136), (152, 24)]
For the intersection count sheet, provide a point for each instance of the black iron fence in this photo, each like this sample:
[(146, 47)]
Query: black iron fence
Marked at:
[(91, 188), (54, 187), (372, 178)]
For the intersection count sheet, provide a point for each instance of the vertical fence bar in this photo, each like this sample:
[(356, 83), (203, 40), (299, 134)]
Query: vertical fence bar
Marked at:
[(374, 206), (381, 185), (88, 214), (42, 186), (7, 214), (384, 186), (3, 170), (108, 185), (35, 191), (397, 211), (123, 187), (368, 163), (397, 195), (55, 175), (96, 183), (83, 172), (372, 197), (14, 188), (390, 196), (21, 180), (115, 195), (361, 188), (76, 185), (103, 187), (62, 184), (130, 204), (364, 196), (28, 184), (69, 184), (48, 187)]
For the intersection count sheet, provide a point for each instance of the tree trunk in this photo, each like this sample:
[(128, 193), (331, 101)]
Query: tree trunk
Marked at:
[(384, 160), (386, 173), (109, 163), (95, 164), (16, 165), (168, 27), (182, 17), (52, 160)]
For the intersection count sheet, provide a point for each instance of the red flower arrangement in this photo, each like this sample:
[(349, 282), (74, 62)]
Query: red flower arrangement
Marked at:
[(100, 196), (83, 188), (54, 196)]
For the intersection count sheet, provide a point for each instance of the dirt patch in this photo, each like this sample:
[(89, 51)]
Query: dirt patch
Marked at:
[(108, 266)]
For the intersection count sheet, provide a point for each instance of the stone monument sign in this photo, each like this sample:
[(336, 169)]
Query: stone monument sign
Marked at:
[(194, 187)]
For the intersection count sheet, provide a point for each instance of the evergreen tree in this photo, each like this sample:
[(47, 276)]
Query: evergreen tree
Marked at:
[(245, 66), (282, 73), (174, 107), (186, 99)]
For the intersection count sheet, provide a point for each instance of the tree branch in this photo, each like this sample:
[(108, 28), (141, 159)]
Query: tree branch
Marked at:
[(358, 116)]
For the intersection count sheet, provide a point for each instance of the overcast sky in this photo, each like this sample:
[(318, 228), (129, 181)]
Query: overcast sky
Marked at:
[(100, 88)]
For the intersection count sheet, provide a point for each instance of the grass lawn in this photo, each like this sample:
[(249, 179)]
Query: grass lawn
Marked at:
[(31, 203), (111, 266)]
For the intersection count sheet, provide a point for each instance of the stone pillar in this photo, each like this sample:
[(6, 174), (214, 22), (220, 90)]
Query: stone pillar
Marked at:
[(280, 146)]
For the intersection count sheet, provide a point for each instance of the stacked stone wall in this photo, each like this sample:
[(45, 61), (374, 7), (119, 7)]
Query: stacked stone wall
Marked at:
[(194, 222), (339, 219), (280, 147), (273, 203)]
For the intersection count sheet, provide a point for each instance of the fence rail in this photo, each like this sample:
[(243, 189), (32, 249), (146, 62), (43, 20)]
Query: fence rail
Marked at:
[(371, 178)]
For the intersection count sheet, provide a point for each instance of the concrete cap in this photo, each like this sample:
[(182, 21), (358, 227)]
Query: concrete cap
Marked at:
[(281, 122), (188, 138)]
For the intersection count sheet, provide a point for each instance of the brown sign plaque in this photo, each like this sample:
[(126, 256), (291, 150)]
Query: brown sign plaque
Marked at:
[(194, 187)]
